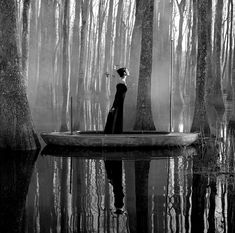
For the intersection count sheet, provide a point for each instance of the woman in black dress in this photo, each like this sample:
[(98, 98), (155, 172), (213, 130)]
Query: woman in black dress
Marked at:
[(114, 123)]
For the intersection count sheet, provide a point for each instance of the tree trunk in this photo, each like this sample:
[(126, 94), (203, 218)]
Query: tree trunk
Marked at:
[(75, 50), (217, 90), (65, 77), (82, 67), (178, 98), (193, 55), (98, 70), (25, 39), (16, 125), (107, 72), (131, 95), (229, 85), (200, 121), (117, 45), (161, 69), (108, 52), (144, 119)]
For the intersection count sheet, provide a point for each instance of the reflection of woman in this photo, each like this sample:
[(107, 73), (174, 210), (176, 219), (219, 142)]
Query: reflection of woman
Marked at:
[(114, 123), (114, 175)]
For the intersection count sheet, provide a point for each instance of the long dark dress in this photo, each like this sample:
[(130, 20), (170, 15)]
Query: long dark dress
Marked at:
[(114, 123)]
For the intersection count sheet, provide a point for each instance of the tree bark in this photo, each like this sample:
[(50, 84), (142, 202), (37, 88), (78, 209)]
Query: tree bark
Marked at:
[(117, 45), (161, 69), (144, 120), (200, 121), (217, 90), (178, 98), (16, 124), (108, 52), (193, 55), (65, 77), (229, 85), (25, 39), (82, 67), (131, 95), (75, 49)]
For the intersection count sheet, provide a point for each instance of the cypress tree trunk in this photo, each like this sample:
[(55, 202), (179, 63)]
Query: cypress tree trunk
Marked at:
[(16, 125), (161, 69), (144, 120), (131, 96), (217, 91), (178, 98), (25, 39), (65, 78), (229, 84), (193, 55), (200, 121), (79, 122)]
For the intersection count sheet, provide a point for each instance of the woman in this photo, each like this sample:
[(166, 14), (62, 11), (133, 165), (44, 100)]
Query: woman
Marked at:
[(114, 123)]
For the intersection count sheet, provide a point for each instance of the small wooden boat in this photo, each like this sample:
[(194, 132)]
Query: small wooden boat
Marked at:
[(126, 139)]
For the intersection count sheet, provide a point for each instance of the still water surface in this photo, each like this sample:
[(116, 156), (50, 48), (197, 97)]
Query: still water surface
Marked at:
[(60, 190)]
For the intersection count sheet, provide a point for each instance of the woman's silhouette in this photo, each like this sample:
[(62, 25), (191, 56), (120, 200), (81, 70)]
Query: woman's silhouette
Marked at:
[(114, 123)]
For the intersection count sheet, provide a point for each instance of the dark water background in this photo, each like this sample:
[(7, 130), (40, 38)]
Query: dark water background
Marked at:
[(166, 190)]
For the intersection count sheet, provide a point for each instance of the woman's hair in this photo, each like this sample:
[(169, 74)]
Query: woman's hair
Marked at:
[(122, 72)]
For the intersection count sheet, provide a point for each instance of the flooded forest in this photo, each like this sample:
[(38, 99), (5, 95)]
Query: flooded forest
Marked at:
[(58, 73)]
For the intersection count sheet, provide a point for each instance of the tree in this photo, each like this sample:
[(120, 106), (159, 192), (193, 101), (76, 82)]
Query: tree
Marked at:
[(17, 131), (25, 38), (200, 121), (82, 66), (161, 59), (178, 93), (217, 91), (65, 77), (144, 119), (130, 102)]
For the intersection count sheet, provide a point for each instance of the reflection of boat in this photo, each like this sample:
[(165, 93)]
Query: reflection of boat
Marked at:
[(126, 139), (117, 153)]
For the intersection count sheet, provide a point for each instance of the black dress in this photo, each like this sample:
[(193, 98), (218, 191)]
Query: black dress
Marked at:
[(114, 123)]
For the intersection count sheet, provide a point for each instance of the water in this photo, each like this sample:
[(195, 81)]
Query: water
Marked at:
[(180, 190)]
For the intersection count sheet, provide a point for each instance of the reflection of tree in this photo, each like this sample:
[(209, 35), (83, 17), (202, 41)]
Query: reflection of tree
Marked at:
[(64, 195), (141, 180), (231, 208), (15, 174), (198, 202), (47, 200), (211, 215)]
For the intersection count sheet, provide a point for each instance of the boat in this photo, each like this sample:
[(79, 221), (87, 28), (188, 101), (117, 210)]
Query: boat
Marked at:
[(125, 139)]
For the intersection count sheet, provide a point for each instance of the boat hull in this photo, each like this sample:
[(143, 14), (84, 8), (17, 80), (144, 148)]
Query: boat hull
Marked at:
[(119, 140)]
